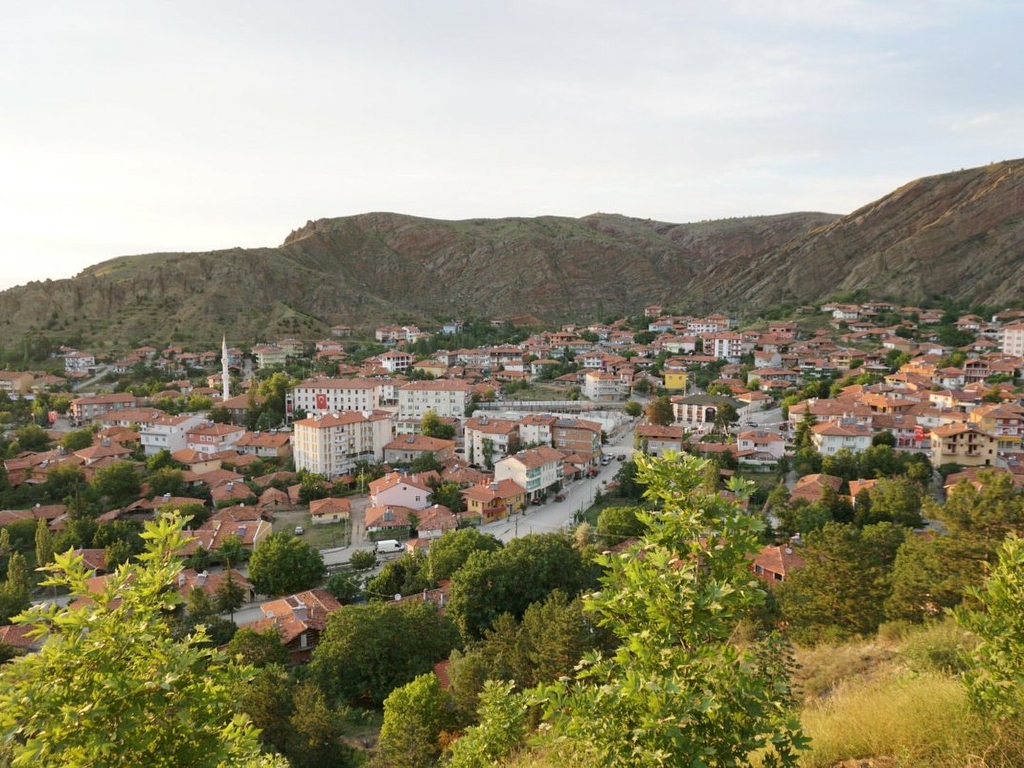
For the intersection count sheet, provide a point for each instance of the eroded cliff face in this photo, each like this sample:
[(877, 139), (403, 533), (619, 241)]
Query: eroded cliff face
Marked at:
[(960, 234)]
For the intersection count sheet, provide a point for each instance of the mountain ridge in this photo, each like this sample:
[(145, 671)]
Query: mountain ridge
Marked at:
[(959, 234)]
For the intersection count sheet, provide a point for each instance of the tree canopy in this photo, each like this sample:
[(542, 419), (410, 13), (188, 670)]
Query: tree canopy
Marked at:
[(283, 564), (112, 686)]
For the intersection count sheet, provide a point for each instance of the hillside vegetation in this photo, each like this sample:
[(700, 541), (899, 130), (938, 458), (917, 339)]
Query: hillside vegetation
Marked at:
[(958, 234)]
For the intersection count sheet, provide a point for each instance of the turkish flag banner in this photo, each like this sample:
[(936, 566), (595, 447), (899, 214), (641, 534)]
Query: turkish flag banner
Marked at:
[(321, 401)]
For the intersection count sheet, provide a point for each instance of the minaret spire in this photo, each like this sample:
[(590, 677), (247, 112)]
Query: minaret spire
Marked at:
[(225, 377)]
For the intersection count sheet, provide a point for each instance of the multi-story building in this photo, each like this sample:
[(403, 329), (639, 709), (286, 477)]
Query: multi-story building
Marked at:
[(269, 355), (487, 439), (963, 444), (1003, 421), (447, 398), (724, 346), (167, 432), (209, 437), (395, 360), (318, 397), (1013, 340), (332, 445), (537, 470), (89, 407), (602, 387), (829, 438)]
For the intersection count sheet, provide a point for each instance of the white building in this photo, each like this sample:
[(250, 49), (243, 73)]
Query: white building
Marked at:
[(602, 387), (537, 470), (1013, 340), (447, 398), (724, 346), (486, 432), (318, 397), (167, 432), (331, 445)]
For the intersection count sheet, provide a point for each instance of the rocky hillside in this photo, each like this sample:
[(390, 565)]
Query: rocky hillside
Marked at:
[(959, 234)]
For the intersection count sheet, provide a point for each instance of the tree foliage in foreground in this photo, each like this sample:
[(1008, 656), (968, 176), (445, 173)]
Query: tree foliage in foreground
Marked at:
[(675, 691), (111, 686), (995, 684)]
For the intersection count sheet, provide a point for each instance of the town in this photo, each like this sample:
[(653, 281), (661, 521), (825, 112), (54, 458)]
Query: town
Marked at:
[(320, 473)]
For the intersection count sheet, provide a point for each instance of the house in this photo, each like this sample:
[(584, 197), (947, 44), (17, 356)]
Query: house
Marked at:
[(698, 412), (759, 447), (828, 438), (395, 360), (656, 440), (390, 520), (434, 521), (774, 562), (329, 510), (408, 448), (538, 470), (1004, 421), (812, 487), (495, 499), (265, 445), (963, 444), (400, 490), (724, 346), (269, 355), (164, 433), (189, 579), (299, 621), (210, 437)]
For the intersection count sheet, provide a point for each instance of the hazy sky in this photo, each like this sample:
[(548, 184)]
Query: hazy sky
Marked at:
[(134, 127)]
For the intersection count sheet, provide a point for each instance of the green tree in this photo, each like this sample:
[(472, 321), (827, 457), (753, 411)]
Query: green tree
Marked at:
[(76, 440), (508, 580), (166, 481), (32, 438), (160, 701), (368, 650), (44, 544), (362, 559), (659, 411), (257, 649), (450, 552), (931, 575), (995, 682), (14, 592), (634, 409), (676, 691), (232, 551), (404, 576), (894, 500), (842, 588), (503, 727), (415, 715), (118, 484), (283, 565), (230, 595), (432, 426), (617, 524)]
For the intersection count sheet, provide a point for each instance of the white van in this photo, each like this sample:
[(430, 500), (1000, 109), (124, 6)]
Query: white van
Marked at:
[(388, 547)]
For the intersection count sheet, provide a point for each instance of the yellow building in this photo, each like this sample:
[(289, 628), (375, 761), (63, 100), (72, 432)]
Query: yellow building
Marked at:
[(676, 380)]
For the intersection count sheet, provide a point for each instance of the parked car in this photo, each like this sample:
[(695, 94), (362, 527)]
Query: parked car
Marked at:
[(299, 530), (559, 497)]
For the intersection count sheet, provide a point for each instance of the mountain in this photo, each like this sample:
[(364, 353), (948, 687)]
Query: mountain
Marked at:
[(958, 234)]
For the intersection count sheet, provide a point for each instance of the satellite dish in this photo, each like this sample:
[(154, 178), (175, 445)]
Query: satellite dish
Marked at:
[(789, 550), (398, 596)]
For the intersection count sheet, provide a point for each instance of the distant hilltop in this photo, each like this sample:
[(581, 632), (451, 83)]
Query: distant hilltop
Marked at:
[(957, 234)]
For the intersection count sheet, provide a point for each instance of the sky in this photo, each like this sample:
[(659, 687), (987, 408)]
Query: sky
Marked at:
[(140, 127)]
